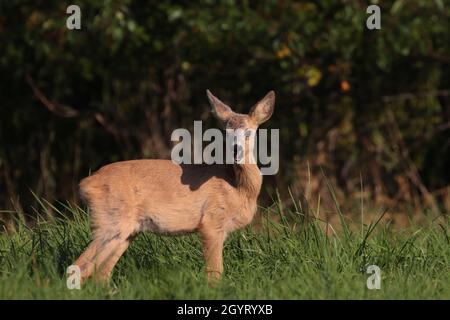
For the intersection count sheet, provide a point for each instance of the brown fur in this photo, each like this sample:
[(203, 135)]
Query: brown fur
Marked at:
[(159, 196)]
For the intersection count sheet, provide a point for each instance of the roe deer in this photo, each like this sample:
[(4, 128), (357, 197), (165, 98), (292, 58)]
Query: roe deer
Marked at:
[(163, 197)]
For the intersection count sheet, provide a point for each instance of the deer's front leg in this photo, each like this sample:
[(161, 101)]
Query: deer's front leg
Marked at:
[(213, 250)]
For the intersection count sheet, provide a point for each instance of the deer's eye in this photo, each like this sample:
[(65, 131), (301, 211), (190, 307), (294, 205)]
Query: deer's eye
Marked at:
[(248, 133)]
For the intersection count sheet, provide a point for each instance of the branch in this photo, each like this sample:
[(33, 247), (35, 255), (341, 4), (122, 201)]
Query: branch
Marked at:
[(52, 106)]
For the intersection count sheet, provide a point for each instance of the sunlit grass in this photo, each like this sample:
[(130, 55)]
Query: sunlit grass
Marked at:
[(292, 258)]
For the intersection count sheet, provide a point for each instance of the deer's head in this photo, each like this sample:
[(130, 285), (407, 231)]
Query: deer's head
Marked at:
[(241, 128)]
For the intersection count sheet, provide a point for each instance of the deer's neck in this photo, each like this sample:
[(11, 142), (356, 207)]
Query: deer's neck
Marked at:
[(248, 180)]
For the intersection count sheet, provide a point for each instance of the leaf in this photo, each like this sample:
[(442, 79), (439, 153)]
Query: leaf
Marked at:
[(396, 6)]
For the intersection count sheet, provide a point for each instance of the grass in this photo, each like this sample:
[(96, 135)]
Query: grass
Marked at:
[(290, 259)]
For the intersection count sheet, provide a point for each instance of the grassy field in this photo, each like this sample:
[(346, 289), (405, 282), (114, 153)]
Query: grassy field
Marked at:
[(289, 259)]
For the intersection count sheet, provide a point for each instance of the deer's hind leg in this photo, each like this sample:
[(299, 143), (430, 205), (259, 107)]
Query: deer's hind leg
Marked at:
[(105, 250), (113, 223), (99, 250), (107, 267)]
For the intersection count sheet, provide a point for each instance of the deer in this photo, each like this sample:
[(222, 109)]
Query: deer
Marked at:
[(129, 197)]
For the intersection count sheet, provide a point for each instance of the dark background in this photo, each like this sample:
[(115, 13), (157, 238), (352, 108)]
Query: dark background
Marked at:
[(368, 109)]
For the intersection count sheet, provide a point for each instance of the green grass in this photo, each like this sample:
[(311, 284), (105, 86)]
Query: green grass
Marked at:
[(273, 261)]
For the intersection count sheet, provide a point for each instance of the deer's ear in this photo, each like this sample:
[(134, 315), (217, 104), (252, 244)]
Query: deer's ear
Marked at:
[(220, 110), (263, 110)]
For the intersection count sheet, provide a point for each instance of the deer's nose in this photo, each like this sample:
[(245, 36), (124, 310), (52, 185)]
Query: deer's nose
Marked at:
[(237, 152)]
